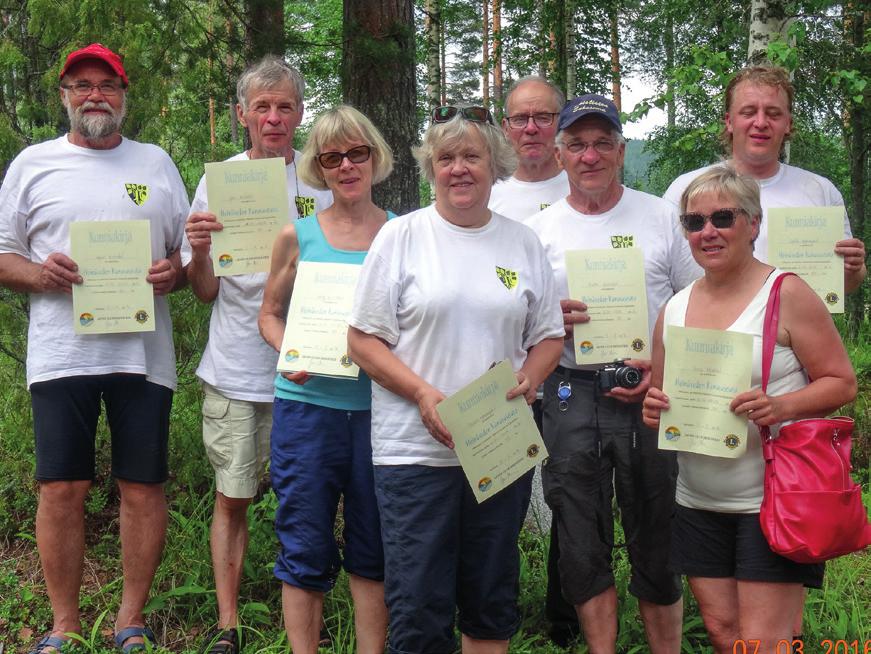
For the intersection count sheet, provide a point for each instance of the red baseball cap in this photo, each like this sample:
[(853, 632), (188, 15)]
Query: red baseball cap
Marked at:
[(96, 51)]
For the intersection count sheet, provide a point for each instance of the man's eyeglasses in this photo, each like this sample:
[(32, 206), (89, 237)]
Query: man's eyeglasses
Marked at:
[(83, 89), (602, 147), (519, 121), (720, 219), (475, 114), (355, 155)]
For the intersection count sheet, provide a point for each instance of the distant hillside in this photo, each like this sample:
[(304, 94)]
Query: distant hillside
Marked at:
[(636, 164)]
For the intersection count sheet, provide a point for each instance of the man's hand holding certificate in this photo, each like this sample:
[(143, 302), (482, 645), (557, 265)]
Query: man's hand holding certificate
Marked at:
[(704, 370), (611, 283), (802, 240), (316, 335), (113, 257), (249, 198), (495, 439)]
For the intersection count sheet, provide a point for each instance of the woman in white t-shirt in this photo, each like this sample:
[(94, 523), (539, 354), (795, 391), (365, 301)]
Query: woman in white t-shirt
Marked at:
[(444, 293), (744, 590)]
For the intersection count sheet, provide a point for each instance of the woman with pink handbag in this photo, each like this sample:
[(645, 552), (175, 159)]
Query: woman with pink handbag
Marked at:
[(745, 591)]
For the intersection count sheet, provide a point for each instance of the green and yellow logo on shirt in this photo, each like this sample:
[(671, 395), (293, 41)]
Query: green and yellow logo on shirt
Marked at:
[(618, 241), (507, 277), (305, 206), (138, 193)]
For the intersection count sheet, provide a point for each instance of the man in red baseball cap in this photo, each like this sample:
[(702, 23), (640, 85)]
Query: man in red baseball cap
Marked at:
[(94, 174)]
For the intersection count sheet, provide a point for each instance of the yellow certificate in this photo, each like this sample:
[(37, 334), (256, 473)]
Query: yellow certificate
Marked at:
[(802, 240), (704, 370), (113, 257), (611, 283), (316, 336), (250, 200), (496, 441)]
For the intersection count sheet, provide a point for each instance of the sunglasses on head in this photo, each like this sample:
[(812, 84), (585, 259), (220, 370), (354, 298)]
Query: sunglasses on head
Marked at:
[(720, 219), (334, 159), (475, 114)]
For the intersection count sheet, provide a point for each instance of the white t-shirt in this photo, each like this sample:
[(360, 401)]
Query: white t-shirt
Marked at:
[(519, 200), (237, 361), (637, 220), (449, 302), (52, 184), (790, 187), (713, 483)]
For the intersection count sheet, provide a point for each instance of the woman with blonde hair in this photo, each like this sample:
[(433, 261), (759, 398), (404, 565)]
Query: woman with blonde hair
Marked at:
[(320, 432)]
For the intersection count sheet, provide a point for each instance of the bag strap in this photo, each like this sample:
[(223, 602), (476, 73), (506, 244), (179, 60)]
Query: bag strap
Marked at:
[(769, 337)]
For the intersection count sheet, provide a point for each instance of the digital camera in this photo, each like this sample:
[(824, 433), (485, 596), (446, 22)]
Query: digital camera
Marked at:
[(618, 375)]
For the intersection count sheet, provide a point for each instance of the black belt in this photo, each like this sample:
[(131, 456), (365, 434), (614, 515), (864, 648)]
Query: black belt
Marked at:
[(574, 373)]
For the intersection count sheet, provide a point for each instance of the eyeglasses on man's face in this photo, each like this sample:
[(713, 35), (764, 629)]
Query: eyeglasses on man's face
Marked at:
[(355, 155), (541, 119), (84, 89), (474, 114), (602, 146), (720, 219)]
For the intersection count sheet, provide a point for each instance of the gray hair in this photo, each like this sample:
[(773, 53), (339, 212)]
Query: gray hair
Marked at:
[(440, 137), (558, 96), (342, 124), (268, 73), (724, 180)]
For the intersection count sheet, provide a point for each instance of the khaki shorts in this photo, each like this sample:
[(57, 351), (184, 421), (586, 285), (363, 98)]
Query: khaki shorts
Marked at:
[(236, 436)]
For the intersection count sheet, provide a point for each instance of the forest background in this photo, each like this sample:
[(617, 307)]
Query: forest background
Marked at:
[(395, 59)]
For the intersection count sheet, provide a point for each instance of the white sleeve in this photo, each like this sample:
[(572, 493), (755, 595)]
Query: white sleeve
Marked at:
[(376, 301), (683, 269), (544, 319), (200, 203), (13, 217), (181, 207)]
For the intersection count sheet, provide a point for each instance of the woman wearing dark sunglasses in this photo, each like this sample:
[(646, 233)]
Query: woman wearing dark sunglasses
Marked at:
[(320, 433), (445, 292), (744, 590)]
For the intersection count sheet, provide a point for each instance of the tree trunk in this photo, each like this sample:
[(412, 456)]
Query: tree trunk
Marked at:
[(378, 77), (768, 22), (264, 28), (571, 51), (485, 60), (615, 55), (497, 57), (432, 26), (860, 143), (668, 46)]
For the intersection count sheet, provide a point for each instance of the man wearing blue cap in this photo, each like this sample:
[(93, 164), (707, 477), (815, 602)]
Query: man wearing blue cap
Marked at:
[(94, 174), (595, 437)]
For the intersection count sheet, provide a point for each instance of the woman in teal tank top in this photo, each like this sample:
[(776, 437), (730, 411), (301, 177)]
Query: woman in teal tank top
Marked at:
[(320, 446)]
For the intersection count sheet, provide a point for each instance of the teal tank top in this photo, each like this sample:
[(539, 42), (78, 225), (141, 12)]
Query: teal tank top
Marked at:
[(344, 394)]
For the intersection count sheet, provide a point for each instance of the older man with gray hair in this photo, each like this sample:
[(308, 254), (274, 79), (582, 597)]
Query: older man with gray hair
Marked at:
[(238, 367), (598, 445)]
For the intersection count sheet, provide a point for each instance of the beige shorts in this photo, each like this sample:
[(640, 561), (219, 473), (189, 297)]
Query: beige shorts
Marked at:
[(236, 436)]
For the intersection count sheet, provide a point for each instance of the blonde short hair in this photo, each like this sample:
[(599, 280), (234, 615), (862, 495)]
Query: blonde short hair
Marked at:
[(723, 179), (440, 137), (343, 124)]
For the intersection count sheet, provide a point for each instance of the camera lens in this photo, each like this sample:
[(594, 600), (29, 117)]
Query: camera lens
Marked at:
[(627, 376)]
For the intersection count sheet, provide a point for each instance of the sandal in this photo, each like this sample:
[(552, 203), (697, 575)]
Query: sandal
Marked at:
[(223, 641), (49, 641), (132, 632)]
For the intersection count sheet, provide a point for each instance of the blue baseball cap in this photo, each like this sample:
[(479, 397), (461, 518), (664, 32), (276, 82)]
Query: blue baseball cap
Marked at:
[(589, 105)]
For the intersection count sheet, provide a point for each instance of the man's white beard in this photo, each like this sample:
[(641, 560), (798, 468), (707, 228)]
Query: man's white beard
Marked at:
[(96, 125)]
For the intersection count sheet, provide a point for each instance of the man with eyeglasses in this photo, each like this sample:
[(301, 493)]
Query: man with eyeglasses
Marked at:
[(757, 121), (237, 368), (597, 442), (93, 173), (531, 107)]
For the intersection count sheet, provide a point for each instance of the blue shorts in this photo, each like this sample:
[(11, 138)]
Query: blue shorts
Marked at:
[(444, 552), (320, 454)]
